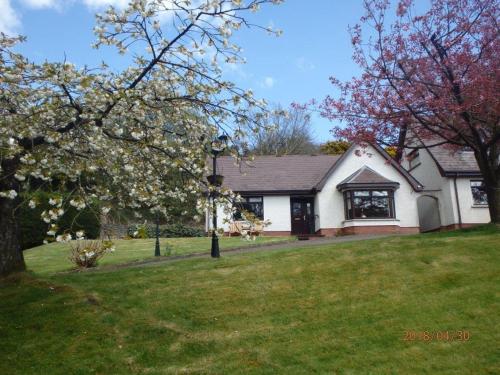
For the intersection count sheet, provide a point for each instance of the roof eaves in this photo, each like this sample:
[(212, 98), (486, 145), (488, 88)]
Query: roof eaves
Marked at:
[(276, 192), (451, 173)]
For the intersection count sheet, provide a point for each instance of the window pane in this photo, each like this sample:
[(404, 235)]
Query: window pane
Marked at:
[(297, 209), (254, 199), (379, 208), (361, 193), (479, 192), (380, 193)]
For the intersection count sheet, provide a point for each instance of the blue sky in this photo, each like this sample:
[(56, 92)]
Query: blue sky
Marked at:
[(294, 67)]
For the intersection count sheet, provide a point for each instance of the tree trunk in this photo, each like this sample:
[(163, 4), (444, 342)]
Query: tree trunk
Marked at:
[(11, 256), (491, 177), (493, 191)]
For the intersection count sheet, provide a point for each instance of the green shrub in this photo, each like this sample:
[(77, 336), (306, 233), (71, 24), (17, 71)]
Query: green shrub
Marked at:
[(180, 230), (33, 229)]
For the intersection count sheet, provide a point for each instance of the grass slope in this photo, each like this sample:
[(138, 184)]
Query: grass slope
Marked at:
[(325, 309), (53, 257)]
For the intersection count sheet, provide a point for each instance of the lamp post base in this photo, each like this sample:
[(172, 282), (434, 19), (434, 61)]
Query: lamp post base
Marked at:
[(215, 253)]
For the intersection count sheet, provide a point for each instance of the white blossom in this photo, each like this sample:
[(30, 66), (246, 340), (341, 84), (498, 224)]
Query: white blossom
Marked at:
[(122, 135), (10, 194)]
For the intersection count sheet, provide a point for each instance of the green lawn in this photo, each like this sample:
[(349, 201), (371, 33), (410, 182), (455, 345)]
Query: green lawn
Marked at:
[(340, 308), (53, 257)]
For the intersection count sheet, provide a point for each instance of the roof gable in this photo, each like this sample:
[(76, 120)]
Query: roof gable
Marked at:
[(367, 176), (417, 186), (450, 162)]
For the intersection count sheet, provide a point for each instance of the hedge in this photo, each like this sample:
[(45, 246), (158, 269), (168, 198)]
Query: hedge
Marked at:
[(166, 231)]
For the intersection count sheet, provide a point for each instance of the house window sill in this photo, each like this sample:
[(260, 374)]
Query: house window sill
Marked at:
[(369, 222), (370, 219), (479, 206)]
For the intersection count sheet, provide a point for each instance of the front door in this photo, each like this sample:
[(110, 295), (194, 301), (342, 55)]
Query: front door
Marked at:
[(302, 215)]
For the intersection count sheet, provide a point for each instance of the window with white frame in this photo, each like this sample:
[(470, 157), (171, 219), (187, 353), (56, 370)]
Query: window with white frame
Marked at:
[(478, 190), (254, 205)]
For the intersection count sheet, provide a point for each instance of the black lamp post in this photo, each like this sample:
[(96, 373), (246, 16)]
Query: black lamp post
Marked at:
[(218, 145), (157, 244)]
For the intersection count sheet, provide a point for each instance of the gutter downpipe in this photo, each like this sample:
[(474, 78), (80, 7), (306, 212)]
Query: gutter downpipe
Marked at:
[(458, 201)]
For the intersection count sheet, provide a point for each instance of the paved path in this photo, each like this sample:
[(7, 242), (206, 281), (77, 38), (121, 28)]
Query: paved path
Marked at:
[(247, 249)]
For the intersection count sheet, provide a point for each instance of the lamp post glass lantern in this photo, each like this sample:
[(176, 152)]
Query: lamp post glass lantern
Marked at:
[(218, 145)]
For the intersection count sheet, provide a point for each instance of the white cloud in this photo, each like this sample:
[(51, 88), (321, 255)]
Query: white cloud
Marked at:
[(93, 4), (304, 65), (37, 4), (105, 3), (267, 83), (9, 20)]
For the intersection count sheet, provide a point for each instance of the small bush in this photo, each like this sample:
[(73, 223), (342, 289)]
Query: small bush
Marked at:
[(85, 253), (139, 231), (168, 250)]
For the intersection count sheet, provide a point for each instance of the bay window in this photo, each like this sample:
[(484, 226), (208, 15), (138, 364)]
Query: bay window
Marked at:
[(369, 204)]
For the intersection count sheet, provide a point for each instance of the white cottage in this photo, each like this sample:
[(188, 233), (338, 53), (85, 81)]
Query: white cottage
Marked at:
[(454, 195), (362, 191)]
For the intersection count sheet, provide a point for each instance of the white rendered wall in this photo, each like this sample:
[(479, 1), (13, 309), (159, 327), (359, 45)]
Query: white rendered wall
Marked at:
[(331, 201), (276, 210), (427, 172), (317, 213), (471, 214), (222, 218)]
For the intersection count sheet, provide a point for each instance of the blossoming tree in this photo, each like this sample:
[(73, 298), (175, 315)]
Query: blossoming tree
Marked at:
[(433, 76), (117, 136)]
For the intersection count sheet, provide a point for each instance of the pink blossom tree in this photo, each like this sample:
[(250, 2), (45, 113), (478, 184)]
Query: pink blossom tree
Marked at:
[(432, 76)]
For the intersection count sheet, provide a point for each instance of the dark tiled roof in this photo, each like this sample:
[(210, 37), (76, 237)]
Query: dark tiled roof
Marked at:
[(273, 174), (458, 161), (366, 175), (292, 173), (451, 161)]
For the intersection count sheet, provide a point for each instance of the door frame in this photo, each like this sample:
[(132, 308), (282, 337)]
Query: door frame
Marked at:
[(310, 222)]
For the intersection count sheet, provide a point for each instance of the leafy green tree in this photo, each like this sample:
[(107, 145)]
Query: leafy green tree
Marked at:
[(334, 147)]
